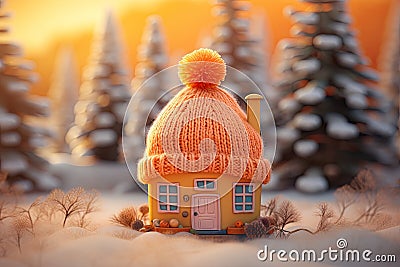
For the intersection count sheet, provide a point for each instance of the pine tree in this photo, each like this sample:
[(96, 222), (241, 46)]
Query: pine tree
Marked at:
[(231, 39), (390, 64), (334, 119), (103, 98), (64, 95), (19, 138), (150, 96)]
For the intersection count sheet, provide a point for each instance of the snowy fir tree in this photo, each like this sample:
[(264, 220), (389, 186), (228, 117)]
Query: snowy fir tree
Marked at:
[(334, 119), (390, 64), (19, 138), (63, 93), (150, 96), (103, 98), (231, 39)]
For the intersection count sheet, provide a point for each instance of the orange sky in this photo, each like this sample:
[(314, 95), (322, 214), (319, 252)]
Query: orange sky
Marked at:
[(42, 26)]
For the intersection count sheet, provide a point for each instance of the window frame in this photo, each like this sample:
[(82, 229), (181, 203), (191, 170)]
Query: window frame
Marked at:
[(205, 180), (167, 194), (243, 194)]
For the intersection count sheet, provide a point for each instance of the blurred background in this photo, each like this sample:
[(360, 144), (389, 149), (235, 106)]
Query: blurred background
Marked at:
[(43, 26), (92, 56)]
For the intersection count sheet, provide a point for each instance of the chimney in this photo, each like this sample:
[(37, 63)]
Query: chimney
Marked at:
[(253, 110)]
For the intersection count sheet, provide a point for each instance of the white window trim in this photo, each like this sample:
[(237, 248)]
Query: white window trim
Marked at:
[(205, 184), (168, 195), (244, 194)]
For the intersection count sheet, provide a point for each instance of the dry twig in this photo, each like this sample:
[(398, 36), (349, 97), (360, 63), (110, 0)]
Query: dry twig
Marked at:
[(269, 208), (74, 202)]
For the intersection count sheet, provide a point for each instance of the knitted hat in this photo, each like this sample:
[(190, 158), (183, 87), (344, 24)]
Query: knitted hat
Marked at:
[(203, 129)]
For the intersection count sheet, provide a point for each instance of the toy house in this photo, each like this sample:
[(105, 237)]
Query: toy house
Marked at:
[(203, 161)]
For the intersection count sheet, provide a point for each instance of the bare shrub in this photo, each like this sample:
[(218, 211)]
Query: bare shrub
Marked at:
[(345, 197), (128, 216), (34, 212), (20, 225), (284, 215), (325, 214), (89, 207), (8, 198), (76, 202)]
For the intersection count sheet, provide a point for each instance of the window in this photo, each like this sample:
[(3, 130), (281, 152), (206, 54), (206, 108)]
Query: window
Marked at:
[(243, 198), (168, 196), (204, 184)]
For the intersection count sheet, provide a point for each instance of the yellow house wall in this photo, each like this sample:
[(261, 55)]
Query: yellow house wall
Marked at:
[(186, 183)]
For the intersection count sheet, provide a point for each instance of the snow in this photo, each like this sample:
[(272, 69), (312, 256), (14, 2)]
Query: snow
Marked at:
[(347, 60), (327, 41), (104, 119), (223, 48), (74, 246), (356, 101), (160, 59), (8, 121), (42, 103), (45, 181), (37, 141), (289, 105), (97, 71), (370, 74), (17, 86), (310, 95), (240, 24), (103, 137), (120, 110), (305, 148), (307, 122), (381, 127), (305, 18), (92, 108), (10, 139), (339, 28), (342, 130), (242, 51), (287, 134), (102, 176), (355, 88), (119, 93), (308, 66), (13, 162), (350, 86), (312, 182), (223, 32)]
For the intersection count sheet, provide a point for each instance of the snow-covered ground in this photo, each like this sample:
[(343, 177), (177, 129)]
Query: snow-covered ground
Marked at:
[(102, 176), (111, 245), (106, 244)]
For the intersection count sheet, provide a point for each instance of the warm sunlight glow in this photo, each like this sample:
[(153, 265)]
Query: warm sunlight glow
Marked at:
[(42, 26)]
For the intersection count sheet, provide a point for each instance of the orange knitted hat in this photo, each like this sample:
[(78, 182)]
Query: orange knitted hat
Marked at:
[(203, 129)]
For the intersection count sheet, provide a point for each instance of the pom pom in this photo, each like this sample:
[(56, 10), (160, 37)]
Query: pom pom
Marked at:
[(202, 66)]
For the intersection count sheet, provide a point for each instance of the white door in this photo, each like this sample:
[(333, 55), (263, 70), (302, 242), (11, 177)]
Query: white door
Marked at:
[(206, 212)]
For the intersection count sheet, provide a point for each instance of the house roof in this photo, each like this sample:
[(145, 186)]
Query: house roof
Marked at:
[(203, 129)]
